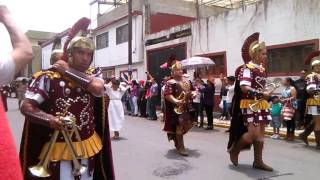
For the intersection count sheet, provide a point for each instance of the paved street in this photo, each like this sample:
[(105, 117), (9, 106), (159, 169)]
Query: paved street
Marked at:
[(145, 154)]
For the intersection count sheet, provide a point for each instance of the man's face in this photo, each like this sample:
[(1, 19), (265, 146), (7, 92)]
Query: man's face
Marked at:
[(316, 68), (178, 72), (82, 58), (261, 56), (303, 74)]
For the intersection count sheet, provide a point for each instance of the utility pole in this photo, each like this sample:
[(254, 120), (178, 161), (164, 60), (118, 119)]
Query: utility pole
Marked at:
[(130, 39)]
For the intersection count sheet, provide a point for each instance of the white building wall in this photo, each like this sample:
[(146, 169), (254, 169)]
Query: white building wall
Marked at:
[(278, 21), (115, 55)]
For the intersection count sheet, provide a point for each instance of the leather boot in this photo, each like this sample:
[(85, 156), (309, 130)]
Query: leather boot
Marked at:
[(258, 162), (287, 136), (175, 142), (180, 146), (290, 137), (304, 135), (235, 150), (317, 135)]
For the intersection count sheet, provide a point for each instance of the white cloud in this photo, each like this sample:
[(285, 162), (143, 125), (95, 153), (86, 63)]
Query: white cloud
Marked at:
[(44, 15)]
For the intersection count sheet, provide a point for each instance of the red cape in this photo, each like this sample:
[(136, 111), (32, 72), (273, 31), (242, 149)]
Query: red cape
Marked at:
[(9, 162)]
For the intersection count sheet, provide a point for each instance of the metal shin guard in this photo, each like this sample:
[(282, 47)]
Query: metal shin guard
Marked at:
[(258, 162), (180, 145), (235, 150), (317, 135)]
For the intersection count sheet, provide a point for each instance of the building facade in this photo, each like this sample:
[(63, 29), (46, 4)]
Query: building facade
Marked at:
[(289, 28), (148, 17), (163, 28), (36, 38)]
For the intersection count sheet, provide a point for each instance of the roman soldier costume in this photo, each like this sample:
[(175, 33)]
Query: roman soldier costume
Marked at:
[(249, 107), (313, 101), (179, 118), (65, 95)]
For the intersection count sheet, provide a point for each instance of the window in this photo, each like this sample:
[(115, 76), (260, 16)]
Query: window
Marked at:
[(217, 69), (288, 59), (122, 34), (103, 40)]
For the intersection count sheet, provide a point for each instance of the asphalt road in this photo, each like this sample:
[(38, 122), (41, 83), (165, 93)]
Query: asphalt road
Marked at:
[(143, 153)]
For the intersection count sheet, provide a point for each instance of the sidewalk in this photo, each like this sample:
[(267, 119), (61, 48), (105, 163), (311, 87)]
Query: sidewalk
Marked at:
[(269, 130)]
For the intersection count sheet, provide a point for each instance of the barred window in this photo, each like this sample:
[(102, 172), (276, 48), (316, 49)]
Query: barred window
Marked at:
[(102, 40), (122, 34), (288, 59)]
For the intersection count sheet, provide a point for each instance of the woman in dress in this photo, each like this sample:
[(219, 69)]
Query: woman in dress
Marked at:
[(115, 90), (289, 95)]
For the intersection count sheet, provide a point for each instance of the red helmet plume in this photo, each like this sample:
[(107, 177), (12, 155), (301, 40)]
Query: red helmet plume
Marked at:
[(311, 56), (246, 46), (80, 26)]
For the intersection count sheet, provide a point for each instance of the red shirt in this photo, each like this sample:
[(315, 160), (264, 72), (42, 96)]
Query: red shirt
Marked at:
[(9, 162)]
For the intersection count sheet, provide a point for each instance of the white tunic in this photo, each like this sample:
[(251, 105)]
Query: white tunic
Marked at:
[(115, 109)]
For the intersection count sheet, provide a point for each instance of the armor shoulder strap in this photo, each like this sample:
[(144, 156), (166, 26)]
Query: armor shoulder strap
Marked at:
[(50, 74)]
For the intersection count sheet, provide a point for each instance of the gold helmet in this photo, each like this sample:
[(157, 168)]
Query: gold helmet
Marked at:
[(81, 42), (176, 65)]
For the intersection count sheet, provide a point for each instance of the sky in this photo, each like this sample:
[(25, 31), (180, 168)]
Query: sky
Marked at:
[(46, 15)]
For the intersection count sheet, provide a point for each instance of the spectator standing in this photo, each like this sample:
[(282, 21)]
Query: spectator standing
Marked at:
[(21, 91), (154, 91), (134, 98), (302, 97), (223, 95), (289, 95), (208, 102), (231, 82), (142, 99), (197, 101), (275, 113)]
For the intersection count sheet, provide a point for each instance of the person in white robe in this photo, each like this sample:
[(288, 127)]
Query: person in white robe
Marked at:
[(115, 90)]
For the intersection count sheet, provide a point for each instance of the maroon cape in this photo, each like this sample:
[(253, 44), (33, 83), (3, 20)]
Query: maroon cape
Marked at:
[(35, 136)]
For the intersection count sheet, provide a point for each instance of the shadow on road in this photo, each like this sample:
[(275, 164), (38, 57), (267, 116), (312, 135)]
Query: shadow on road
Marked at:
[(173, 154), (309, 148), (196, 129), (248, 171), (119, 139), (172, 170)]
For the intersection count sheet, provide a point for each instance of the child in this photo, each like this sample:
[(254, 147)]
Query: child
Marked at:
[(275, 113)]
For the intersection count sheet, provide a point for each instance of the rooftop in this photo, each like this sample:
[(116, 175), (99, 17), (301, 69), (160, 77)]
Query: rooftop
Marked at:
[(225, 3), (221, 3)]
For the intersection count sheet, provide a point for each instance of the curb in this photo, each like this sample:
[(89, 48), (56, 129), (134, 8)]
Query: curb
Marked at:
[(268, 132)]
